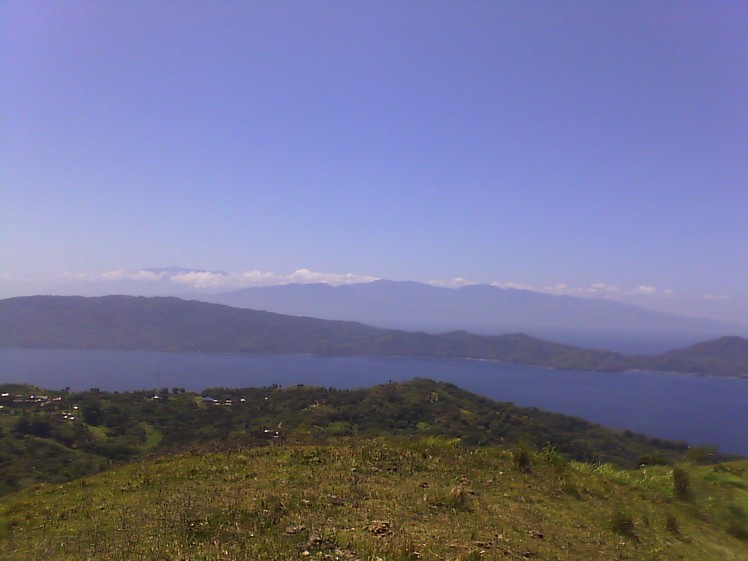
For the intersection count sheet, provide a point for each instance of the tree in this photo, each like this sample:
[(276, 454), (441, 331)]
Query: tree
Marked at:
[(22, 425), (92, 413), (40, 427)]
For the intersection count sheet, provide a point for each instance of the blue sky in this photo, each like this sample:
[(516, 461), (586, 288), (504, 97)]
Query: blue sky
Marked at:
[(560, 146)]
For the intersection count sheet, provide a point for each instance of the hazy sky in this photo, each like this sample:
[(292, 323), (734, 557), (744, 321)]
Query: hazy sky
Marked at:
[(584, 144)]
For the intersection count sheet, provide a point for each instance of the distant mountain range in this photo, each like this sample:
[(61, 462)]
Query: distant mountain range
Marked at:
[(175, 325), (483, 309)]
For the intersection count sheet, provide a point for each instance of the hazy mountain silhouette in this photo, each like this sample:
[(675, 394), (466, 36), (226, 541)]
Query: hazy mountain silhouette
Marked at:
[(483, 309), (171, 324)]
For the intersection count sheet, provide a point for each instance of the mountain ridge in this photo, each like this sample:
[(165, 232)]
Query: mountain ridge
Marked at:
[(174, 325), (482, 309)]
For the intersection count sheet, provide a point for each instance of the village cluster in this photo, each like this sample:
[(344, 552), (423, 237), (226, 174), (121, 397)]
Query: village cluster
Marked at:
[(10, 403), (66, 409)]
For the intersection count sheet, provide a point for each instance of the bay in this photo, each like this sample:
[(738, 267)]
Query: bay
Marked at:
[(699, 410)]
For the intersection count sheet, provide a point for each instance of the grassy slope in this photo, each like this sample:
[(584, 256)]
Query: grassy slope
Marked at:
[(30, 460), (377, 499)]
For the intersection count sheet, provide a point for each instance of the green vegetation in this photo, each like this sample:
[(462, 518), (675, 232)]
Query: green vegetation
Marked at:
[(726, 356), (681, 483), (58, 436), (384, 498), (412, 471)]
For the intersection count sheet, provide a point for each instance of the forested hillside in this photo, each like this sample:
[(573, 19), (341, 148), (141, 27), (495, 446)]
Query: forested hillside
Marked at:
[(57, 436)]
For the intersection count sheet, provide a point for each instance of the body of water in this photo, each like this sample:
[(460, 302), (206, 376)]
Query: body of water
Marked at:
[(700, 410)]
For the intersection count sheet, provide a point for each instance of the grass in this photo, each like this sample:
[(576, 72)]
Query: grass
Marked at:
[(153, 437), (98, 432), (377, 499)]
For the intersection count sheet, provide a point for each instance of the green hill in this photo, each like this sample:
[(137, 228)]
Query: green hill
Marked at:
[(381, 499), (58, 436), (410, 471), (726, 356)]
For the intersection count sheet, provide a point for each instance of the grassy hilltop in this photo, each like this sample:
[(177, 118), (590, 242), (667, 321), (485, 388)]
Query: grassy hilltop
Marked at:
[(381, 499), (412, 471)]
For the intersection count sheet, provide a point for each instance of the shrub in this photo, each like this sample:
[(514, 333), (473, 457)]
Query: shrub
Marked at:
[(671, 523), (521, 456), (555, 460), (681, 483), (622, 523), (701, 454), (737, 523), (653, 459), (22, 425), (570, 488), (459, 498)]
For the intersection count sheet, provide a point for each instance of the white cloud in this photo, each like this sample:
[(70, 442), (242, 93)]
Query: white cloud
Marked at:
[(594, 290), (141, 275), (306, 276), (202, 279), (550, 289), (456, 282), (219, 280), (602, 287), (69, 275), (258, 277)]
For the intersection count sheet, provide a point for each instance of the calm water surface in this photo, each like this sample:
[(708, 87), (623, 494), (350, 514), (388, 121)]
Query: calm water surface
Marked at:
[(698, 410)]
